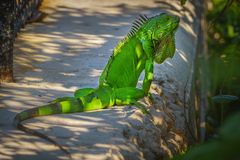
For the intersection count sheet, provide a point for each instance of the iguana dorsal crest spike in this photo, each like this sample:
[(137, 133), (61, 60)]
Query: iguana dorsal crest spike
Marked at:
[(137, 24)]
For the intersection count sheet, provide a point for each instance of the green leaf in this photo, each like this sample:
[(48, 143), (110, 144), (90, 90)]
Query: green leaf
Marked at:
[(224, 98), (183, 2)]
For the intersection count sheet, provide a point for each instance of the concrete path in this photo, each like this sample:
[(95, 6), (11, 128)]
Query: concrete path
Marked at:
[(67, 51)]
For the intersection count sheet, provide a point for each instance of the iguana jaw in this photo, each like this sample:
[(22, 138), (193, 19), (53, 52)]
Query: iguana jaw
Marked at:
[(176, 22)]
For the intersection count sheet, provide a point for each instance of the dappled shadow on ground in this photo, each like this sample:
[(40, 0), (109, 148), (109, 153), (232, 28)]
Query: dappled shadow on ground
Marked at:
[(65, 40), (84, 135), (68, 50)]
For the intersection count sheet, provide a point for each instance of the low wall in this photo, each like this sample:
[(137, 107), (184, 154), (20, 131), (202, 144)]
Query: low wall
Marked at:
[(13, 16)]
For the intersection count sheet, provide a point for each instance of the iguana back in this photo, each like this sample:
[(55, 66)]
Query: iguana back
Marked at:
[(125, 65)]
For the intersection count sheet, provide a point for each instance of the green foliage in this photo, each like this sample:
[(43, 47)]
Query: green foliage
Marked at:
[(183, 2), (224, 61), (223, 74), (225, 146), (224, 46)]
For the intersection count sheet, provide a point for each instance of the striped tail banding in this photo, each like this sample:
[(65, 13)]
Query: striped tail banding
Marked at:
[(50, 109)]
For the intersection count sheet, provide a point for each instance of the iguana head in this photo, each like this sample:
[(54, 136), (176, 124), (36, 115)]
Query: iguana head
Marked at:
[(163, 28)]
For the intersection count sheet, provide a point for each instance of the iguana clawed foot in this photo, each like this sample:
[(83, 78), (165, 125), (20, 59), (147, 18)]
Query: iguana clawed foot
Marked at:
[(141, 107), (149, 99)]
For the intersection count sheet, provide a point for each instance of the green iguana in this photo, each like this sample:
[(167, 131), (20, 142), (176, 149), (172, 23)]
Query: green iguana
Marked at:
[(150, 39)]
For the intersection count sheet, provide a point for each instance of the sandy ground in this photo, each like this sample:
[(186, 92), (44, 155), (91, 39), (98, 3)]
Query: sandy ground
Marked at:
[(52, 58)]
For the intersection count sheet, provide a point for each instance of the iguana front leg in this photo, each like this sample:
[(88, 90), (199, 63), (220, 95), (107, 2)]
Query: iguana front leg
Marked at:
[(148, 76), (149, 51), (148, 80)]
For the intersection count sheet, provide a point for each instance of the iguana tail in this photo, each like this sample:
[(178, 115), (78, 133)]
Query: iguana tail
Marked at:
[(68, 105)]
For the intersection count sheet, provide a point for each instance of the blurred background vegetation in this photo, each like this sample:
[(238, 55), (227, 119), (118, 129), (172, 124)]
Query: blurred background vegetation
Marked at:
[(224, 61), (222, 84)]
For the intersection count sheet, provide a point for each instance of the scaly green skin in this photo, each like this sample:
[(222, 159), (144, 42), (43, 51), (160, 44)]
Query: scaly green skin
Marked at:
[(150, 39)]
